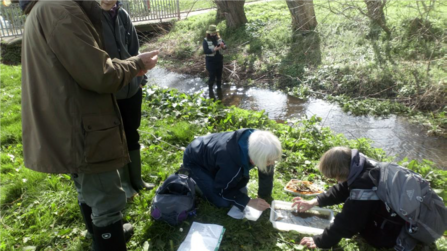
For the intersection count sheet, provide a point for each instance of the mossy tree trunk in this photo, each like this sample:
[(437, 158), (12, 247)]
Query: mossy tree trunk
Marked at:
[(232, 11), (303, 14), (376, 14)]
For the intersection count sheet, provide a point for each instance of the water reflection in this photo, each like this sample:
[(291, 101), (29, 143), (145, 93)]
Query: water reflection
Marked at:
[(394, 134)]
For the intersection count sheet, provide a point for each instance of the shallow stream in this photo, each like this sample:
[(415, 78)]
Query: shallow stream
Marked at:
[(394, 134)]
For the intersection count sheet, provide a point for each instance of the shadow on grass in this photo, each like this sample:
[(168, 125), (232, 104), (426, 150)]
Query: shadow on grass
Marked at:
[(305, 51)]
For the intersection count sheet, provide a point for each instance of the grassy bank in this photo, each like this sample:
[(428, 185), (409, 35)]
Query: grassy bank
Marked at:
[(344, 60), (40, 211)]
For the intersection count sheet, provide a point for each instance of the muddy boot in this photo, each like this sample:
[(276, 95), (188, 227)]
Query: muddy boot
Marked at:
[(135, 172), (110, 237), (126, 183)]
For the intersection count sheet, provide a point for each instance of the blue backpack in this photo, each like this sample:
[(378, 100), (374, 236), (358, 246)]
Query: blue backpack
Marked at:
[(174, 200)]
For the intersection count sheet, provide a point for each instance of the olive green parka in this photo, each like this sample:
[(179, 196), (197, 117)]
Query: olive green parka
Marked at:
[(70, 119)]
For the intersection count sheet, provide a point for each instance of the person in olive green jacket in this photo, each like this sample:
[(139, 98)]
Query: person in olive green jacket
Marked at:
[(121, 41), (70, 119)]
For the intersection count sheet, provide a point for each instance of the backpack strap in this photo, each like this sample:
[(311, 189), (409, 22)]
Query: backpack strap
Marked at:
[(367, 194), (363, 194)]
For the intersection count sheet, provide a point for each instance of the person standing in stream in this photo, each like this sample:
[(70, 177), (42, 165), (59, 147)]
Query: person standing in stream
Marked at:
[(212, 46)]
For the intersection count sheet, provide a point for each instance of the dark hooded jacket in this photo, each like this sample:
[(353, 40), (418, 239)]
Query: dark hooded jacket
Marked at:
[(225, 157), (121, 41), (370, 219)]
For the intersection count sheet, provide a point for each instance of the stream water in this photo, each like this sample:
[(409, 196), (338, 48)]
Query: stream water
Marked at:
[(394, 134)]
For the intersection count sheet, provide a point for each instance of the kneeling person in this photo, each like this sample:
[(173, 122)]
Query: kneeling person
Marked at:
[(220, 165), (369, 218)]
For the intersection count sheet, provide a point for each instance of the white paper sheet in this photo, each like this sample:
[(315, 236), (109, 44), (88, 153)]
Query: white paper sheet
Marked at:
[(249, 213), (203, 237)]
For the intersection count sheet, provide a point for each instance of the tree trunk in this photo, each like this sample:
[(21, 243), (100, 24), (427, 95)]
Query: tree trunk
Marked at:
[(303, 14), (232, 11), (376, 14), (220, 15)]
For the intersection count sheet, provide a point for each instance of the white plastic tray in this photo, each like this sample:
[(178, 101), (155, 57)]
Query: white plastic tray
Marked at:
[(301, 229)]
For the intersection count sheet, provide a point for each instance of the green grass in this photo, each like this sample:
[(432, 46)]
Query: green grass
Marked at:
[(344, 56), (40, 211)]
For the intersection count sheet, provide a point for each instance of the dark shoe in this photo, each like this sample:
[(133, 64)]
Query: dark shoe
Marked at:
[(219, 84), (135, 172), (110, 237)]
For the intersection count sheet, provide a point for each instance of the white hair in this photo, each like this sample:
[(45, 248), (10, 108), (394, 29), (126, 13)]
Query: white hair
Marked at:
[(264, 148)]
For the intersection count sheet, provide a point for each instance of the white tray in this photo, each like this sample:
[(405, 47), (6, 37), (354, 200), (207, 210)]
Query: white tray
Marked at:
[(301, 229)]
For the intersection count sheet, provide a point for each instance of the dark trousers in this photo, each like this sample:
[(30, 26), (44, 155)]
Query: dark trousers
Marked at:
[(103, 193), (215, 73), (130, 109)]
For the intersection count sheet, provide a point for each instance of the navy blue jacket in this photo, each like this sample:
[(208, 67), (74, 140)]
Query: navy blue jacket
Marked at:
[(220, 154)]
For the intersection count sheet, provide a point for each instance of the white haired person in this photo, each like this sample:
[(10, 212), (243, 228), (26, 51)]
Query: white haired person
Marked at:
[(220, 164)]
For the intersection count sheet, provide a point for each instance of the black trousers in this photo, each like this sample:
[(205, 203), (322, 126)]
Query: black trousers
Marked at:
[(130, 109), (215, 72)]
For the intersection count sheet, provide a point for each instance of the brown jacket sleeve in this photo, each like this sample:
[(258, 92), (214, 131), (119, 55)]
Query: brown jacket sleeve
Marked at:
[(73, 42)]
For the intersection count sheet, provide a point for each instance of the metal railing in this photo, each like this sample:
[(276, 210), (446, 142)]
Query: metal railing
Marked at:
[(12, 20), (146, 10)]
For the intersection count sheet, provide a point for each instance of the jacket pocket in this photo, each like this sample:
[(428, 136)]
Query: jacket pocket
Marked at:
[(102, 138)]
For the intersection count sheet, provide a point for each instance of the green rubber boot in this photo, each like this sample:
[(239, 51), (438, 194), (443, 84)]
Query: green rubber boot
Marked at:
[(135, 172)]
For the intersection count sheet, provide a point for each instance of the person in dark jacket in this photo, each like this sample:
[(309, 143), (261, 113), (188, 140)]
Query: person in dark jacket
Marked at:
[(212, 46), (121, 41), (369, 218), (220, 164)]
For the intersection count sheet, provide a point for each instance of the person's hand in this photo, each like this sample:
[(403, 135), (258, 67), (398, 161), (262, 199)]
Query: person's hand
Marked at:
[(141, 73), (259, 204), (149, 59), (308, 242), (222, 45), (216, 48), (304, 205)]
